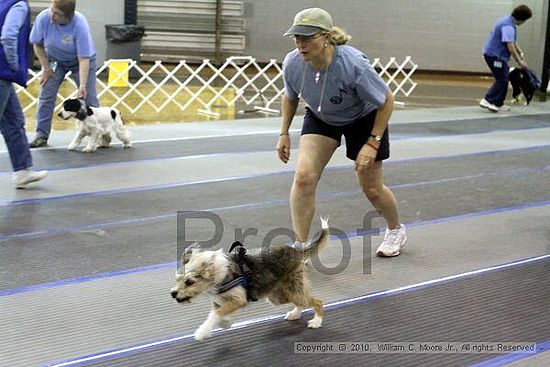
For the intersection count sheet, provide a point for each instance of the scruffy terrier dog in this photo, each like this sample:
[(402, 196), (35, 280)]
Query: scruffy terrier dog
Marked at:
[(95, 122), (278, 274)]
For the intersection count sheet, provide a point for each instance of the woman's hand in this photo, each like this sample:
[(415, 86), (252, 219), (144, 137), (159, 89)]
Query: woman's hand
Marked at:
[(82, 92), (47, 74), (365, 157), (283, 148)]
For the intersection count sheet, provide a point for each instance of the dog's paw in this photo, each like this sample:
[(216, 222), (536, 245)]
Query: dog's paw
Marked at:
[(293, 315), (315, 323), (225, 323), (72, 147), (128, 145), (202, 333), (88, 150)]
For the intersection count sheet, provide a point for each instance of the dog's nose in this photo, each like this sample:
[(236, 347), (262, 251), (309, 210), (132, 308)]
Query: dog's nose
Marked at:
[(174, 294)]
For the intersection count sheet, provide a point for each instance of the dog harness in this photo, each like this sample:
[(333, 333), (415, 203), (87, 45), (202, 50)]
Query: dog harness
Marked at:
[(242, 279)]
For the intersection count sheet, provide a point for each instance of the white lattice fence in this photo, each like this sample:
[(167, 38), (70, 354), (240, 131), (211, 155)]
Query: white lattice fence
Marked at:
[(182, 86)]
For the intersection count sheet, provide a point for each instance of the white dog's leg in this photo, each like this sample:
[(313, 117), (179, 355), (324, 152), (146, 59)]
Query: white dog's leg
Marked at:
[(93, 143), (317, 319), (226, 323), (315, 322), (205, 330), (294, 314), (77, 140), (122, 134)]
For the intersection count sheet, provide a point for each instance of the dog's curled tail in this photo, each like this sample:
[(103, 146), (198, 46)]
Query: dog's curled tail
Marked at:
[(314, 247)]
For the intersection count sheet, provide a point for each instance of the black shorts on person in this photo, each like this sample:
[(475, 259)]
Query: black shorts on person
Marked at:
[(356, 133)]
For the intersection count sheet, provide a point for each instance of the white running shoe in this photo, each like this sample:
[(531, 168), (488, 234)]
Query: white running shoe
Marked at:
[(394, 240), (485, 104), (26, 176)]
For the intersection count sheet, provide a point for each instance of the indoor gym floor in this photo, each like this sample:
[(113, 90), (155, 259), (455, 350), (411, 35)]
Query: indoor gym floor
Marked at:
[(88, 255)]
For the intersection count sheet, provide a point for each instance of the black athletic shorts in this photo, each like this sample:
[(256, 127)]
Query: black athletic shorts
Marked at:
[(356, 133)]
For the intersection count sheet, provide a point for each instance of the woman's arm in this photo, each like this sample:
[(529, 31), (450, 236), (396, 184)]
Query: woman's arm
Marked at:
[(289, 107), (83, 71)]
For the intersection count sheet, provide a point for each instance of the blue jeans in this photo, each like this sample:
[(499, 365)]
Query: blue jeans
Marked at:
[(12, 126), (500, 69), (48, 93)]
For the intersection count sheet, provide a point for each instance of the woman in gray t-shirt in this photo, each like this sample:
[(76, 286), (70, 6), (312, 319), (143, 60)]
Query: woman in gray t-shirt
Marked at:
[(343, 95)]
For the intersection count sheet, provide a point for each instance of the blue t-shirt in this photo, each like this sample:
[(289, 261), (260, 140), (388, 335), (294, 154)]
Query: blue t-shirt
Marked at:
[(63, 42), (352, 90), (504, 32)]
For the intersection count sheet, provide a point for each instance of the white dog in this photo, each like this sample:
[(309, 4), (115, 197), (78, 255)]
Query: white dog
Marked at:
[(95, 122)]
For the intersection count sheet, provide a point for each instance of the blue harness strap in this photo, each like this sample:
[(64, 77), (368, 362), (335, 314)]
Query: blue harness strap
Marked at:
[(242, 280), (232, 284)]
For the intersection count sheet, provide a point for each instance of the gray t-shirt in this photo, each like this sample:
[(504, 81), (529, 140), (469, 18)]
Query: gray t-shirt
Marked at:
[(352, 90)]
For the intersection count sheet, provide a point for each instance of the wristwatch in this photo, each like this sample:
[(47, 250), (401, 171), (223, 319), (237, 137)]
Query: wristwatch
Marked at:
[(377, 138)]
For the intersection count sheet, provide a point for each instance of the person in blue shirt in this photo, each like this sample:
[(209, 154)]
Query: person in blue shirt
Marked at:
[(62, 42), (501, 44), (345, 96), (14, 63)]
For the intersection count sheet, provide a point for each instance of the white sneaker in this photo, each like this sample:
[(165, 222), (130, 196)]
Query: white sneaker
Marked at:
[(485, 104), (394, 240), (26, 176)]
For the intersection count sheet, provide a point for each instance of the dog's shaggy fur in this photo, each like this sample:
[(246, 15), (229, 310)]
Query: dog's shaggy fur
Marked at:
[(277, 274), (95, 122)]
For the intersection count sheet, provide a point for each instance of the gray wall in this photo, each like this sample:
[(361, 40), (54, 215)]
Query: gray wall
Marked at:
[(98, 13), (437, 34)]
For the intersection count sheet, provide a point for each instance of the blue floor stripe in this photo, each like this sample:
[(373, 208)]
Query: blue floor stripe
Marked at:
[(227, 179), (513, 357), (419, 224), (55, 231)]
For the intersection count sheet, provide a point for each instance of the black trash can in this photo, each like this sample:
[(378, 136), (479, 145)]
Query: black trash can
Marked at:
[(124, 41)]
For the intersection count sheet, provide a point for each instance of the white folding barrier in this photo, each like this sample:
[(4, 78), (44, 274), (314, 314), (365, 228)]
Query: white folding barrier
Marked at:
[(240, 79)]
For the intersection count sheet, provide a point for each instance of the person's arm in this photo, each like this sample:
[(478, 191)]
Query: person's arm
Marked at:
[(516, 54), (289, 107), (40, 53), (383, 115), (83, 71), (368, 152), (520, 51), (10, 33)]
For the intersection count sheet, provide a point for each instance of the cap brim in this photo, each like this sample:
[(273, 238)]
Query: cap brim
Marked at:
[(302, 30)]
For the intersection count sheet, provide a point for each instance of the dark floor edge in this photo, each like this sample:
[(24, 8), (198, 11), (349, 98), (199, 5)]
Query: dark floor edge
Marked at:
[(115, 353)]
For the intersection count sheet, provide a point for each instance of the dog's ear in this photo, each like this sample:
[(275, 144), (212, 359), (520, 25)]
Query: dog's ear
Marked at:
[(188, 253), (72, 105), (235, 244)]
